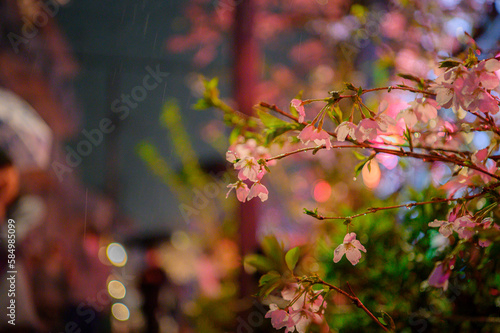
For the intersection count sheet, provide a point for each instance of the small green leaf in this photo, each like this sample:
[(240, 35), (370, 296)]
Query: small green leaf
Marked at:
[(273, 133), (269, 120), (350, 86), (269, 277), (360, 165), (201, 104), (386, 320), (313, 213), (272, 280), (212, 84), (335, 114), (273, 250), (260, 262), (292, 257), (449, 63), (409, 77), (235, 133), (359, 156)]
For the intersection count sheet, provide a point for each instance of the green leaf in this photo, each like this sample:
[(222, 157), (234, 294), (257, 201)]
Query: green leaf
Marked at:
[(350, 86), (273, 250), (269, 120), (235, 133), (360, 165), (212, 84), (409, 77), (269, 277), (359, 156), (269, 282), (386, 320), (274, 132), (409, 138), (313, 213), (292, 257), (202, 104), (449, 63), (260, 262), (335, 114)]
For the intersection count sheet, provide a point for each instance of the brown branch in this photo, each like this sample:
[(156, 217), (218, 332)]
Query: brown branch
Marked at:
[(409, 205), (351, 296), (278, 110)]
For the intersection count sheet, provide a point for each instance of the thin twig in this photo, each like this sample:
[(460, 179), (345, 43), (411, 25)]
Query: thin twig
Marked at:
[(409, 205), (352, 297)]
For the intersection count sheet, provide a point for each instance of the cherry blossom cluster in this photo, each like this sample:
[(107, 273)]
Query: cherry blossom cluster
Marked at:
[(305, 306), (464, 225), (249, 158), (469, 89), (311, 133), (398, 129)]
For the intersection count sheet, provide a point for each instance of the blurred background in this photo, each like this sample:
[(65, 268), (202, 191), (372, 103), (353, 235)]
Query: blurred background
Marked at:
[(117, 183)]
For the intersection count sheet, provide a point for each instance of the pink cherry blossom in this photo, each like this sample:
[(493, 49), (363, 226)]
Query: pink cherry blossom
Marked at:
[(440, 275), (258, 190), (367, 130), (409, 116), (249, 169), (484, 242), (351, 248), (297, 104), (479, 156), (279, 318), (488, 223), (344, 129), (306, 306), (464, 227), (319, 136), (231, 156), (384, 121), (468, 89), (425, 109), (445, 227), (483, 102), (489, 80), (248, 148), (241, 190)]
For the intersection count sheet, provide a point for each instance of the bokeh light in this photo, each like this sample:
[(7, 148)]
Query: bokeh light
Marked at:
[(322, 191), (116, 289), (371, 174), (116, 254), (120, 311)]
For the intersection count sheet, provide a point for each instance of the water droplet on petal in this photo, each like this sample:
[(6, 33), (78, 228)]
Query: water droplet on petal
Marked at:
[(354, 178)]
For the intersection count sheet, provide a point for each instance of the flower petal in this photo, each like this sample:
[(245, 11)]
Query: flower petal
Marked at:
[(339, 253), (357, 244), (353, 255)]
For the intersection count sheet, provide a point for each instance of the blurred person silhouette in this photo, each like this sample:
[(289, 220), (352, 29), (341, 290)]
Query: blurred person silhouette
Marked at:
[(26, 319), (151, 282)]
